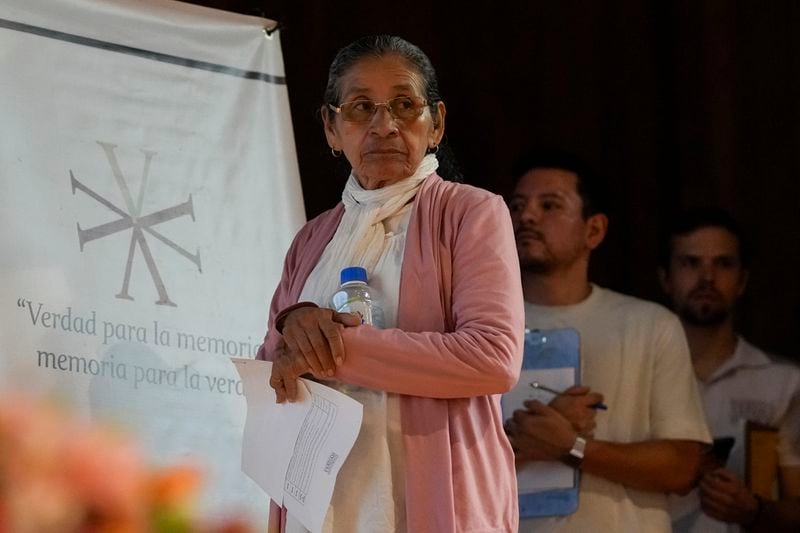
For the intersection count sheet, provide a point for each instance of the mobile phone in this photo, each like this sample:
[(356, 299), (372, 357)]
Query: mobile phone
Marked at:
[(721, 448)]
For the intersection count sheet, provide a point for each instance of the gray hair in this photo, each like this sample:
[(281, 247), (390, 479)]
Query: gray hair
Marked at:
[(377, 46)]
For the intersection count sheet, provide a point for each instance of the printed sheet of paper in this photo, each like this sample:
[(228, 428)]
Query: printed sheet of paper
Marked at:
[(540, 475), (295, 450)]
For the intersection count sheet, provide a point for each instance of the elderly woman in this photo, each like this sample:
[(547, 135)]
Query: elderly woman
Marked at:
[(431, 454)]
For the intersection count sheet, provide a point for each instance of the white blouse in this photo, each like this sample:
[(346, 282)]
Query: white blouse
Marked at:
[(369, 495)]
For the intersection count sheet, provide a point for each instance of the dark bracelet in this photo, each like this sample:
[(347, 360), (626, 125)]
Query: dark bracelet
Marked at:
[(757, 515), (281, 317)]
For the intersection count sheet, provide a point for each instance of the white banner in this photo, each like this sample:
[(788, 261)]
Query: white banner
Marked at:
[(148, 193)]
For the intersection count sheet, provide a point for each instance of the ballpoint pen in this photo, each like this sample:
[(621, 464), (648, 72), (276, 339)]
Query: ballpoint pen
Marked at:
[(537, 385)]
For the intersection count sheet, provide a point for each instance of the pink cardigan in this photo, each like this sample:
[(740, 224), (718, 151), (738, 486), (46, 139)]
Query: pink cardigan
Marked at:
[(456, 348)]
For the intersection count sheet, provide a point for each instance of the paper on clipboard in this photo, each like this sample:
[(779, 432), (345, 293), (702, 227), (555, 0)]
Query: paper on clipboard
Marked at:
[(551, 357), (540, 475)]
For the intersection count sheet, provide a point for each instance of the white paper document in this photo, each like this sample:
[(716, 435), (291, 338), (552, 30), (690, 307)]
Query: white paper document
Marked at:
[(295, 450), (540, 475)]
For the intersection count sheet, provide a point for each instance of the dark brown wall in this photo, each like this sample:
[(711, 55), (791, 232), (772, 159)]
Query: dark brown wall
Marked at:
[(678, 103)]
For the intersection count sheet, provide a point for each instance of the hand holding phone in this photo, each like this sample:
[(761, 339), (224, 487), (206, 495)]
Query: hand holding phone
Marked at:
[(721, 449)]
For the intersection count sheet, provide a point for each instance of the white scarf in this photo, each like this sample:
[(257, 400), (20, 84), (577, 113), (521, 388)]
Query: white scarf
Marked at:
[(360, 239)]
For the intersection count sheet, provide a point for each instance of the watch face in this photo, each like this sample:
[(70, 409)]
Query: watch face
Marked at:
[(578, 448)]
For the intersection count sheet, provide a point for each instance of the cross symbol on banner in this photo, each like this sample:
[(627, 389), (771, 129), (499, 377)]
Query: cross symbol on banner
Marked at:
[(133, 219)]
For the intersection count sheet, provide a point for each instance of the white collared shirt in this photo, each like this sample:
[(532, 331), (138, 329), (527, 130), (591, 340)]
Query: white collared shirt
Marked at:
[(750, 385)]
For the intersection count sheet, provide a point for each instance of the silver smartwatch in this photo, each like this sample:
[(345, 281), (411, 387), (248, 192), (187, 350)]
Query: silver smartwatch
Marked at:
[(574, 457)]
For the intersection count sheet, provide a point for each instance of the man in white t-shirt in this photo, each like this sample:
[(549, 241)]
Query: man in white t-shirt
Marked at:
[(650, 440), (704, 272)]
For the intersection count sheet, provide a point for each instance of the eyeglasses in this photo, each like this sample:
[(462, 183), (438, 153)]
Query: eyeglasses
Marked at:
[(402, 108)]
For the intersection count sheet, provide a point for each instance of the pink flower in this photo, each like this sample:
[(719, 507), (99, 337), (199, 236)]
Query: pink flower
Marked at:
[(58, 474)]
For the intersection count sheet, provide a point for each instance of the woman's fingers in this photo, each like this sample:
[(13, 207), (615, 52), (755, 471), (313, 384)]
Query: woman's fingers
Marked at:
[(316, 334), (346, 319), (286, 369), (298, 343), (333, 338), (313, 336), (276, 382), (291, 389), (325, 337)]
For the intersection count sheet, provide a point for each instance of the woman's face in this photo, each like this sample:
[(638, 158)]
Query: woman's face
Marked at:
[(383, 150)]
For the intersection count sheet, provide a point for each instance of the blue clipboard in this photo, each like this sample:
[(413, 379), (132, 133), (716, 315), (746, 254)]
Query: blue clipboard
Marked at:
[(552, 355)]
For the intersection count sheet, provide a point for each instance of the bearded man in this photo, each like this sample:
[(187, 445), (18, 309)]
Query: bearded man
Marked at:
[(704, 271)]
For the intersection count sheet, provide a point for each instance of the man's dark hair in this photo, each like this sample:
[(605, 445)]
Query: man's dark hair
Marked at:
[(690, 220), (590, 184)]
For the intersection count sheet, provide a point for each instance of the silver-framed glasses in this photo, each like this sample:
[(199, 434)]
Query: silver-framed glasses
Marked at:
[(362, 110)]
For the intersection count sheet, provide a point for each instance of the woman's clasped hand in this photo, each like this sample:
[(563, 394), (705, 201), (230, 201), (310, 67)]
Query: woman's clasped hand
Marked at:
[(311, 343)]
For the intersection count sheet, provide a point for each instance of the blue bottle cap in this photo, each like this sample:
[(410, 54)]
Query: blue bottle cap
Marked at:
[(353, 274)]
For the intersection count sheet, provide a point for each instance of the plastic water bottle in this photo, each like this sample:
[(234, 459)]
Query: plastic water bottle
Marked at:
[(355, 296)]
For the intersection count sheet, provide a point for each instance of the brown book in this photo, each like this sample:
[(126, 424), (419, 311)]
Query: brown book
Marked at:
[(761, 463)]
